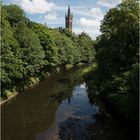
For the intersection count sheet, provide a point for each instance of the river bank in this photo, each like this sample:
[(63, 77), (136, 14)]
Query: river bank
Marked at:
[(112, 107), (65, 112), (33, 81)]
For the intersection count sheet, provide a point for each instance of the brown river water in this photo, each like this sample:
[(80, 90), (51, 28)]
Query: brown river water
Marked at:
[(58, 108)]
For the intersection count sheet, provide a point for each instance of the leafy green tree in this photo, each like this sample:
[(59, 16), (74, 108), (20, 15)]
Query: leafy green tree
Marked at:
[(15, 14), (120, 33), (30, 50), (11, 63), (68, 52), (47, 42), (117, 58), (86, 47), (32, 53)]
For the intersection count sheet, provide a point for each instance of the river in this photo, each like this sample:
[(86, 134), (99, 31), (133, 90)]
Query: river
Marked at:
[(58, 108)]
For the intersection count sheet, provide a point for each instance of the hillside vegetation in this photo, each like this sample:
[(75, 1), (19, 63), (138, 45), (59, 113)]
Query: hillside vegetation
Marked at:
[(30, 51)]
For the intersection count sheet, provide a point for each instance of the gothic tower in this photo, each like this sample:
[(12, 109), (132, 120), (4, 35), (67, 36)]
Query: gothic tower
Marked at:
[(68, 19)]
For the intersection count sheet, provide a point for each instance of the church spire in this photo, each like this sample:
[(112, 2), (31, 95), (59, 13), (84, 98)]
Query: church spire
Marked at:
[(69, 12), (68, 19)]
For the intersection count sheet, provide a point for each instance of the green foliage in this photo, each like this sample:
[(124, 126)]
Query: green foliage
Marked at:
[(117, 58), (69, 66), (66, 48), (86, 48), (30, 51), (73, 49), (88, 69), (14, 14), (47, 42), (11, 63)]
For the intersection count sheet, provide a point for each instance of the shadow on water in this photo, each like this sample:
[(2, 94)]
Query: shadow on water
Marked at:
[(26, 115), (57, 109)]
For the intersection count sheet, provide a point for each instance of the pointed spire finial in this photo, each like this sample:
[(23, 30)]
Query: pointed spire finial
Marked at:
[(69, 10), (68, 19)]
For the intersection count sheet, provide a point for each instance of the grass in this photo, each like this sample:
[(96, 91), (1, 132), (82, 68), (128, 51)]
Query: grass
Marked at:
[(69, 66), (88, 69)]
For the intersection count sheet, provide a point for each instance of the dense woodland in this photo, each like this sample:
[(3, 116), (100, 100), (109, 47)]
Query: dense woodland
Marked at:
[(30, 51), (117, 57)]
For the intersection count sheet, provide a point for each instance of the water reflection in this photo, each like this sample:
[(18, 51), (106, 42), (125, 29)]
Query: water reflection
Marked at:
[(57, 109), (69, 99), (27, 115), (73, 116)]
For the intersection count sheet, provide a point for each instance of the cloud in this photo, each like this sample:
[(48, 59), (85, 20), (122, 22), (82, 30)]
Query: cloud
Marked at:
[(60, 8), (36, 6), (90, 26), (93, 33), (94, 13), (84, 22), (89, 21), (51, 17), (108, 3), (97, 13)]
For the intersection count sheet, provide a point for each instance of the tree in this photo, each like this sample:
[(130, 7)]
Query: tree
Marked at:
[(11, 63), (117, 58), (120, 31), (30, 50), (47, 42), (86, 47), (32, 53), (14, 14)]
